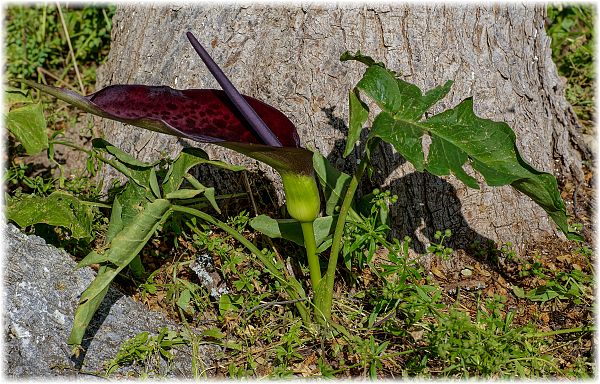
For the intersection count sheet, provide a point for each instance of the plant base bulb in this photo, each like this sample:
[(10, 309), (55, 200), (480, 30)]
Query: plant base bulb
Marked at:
[(302, 196)]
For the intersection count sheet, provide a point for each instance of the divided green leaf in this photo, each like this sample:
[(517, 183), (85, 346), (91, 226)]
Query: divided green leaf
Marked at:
[(457, 136)]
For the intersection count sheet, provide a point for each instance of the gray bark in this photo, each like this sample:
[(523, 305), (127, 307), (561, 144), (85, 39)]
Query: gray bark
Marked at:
[(288, 57)]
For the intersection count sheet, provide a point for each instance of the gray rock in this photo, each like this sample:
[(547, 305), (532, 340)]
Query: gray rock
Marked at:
[(41, 291)]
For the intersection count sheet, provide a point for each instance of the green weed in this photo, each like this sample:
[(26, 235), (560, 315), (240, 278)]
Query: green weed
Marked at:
[(439, 249), (148, 352), (573, 44), (37, 46)]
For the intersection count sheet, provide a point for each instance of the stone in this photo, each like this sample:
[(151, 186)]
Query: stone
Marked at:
[(41, 291)]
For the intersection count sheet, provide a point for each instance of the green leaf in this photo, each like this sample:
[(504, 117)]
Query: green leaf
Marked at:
[(381, 86), (519, 292), (457, 136), (115, 225), (133, 200), (333, 182), (209, 193), (86, 310), (359, 113), (229, 303), (135, 170), (122, 156), (543, 294), (183, 193), (92, 258), (187, 158), (405, 137), (124, 248), (154, 183), (14, 96), (58, 209), (401, 99), (28, 124), (492, 147), (213, 333), (184, 300), (290, 229)]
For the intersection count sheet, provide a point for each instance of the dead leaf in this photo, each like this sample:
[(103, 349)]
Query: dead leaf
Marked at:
[(501, 281), (439, 274), (417, 335), (564, 258)]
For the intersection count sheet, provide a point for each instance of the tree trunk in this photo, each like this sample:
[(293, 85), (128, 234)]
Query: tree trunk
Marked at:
[(288, 57)]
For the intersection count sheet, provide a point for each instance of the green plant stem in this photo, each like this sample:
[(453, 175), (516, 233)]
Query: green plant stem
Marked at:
[(71, 145), (562, 332), (311, 253), (292, 286), (87, 151), (326, 292), (195, 183)]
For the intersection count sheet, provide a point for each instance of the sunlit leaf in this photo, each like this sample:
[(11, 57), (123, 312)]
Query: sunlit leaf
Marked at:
[(58, 209), (28, 124), (457, 137), (124, 248)]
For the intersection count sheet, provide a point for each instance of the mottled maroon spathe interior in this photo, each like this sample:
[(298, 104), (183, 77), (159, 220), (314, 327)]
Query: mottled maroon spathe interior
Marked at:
[(205, 114)]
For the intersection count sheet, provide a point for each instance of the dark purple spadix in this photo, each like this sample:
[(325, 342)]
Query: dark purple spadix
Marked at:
[(253, 119)]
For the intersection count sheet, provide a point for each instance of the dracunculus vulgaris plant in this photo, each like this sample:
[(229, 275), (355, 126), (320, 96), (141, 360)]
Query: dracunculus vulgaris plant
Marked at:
[(231, 120)]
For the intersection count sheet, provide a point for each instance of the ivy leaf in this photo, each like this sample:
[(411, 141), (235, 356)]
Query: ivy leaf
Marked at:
[(28, 124), (58, 209)]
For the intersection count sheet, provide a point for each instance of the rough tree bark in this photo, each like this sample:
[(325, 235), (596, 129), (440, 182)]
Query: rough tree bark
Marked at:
[(288, 57)]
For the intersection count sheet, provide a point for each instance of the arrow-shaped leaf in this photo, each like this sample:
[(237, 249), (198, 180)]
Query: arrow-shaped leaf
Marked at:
[(124, 248)]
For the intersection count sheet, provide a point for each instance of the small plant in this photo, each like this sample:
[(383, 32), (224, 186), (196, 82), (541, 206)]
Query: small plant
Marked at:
[(573, 286), (438, 249), (571, 28), (147, 351), (363, 236)]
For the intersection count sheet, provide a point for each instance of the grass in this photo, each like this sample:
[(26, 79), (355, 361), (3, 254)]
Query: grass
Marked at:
[(62, 47), (573, 44), (47, 43), (395, 319), (501, 316)]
